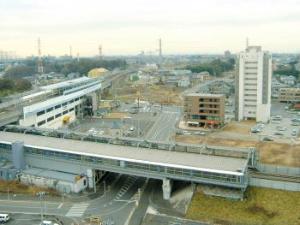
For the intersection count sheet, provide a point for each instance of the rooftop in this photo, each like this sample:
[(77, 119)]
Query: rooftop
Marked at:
[(209, 163), (205, 95), (50, 174), (65, 83), (59, 100)]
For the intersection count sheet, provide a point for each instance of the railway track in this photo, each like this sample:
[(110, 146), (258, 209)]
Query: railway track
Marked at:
[(276, 177)]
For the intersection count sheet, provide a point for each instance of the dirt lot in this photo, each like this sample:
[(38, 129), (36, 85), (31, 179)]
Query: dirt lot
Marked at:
[(262, 206), (270, 152), (279, 154), (242, 127), (153, 93)]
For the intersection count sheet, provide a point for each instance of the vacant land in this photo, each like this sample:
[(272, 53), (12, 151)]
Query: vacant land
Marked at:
[(242, 127), (269, 152), (262, 206), (160, 94), (279, 153), (15, 187)]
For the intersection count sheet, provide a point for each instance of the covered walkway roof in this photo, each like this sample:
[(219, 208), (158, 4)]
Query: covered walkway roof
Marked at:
[(199, 162)]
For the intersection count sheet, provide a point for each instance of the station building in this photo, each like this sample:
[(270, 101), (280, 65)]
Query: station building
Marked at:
[(69, 100)]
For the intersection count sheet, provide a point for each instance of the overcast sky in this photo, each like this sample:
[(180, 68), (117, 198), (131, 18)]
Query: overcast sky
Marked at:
[(130, 26)]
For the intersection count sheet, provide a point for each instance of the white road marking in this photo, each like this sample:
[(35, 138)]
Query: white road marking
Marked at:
[(77, 210)]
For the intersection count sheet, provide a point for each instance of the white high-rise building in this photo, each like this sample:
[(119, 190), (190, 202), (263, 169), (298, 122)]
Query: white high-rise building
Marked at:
[(253, 85)]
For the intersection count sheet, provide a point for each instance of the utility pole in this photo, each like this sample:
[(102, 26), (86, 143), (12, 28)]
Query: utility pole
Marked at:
[(41, 194), (40, 67)]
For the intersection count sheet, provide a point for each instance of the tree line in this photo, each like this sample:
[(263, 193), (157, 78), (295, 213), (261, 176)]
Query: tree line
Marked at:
[(13, 85), (288, 70), (29, 66), (215, 67)]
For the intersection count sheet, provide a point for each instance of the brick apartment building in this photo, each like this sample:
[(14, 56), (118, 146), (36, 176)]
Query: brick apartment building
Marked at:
[(204, 110)]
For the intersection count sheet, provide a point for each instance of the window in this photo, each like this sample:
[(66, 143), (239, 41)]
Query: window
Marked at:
[(41, 123), (64, 104), (76, 99), (41, 113), (50, 118), (72, 109), (58, 115), (65, 112), (50, 109), (57, 106)]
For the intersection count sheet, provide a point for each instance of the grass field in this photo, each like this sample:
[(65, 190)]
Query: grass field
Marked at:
[(262, 206), (15, 187)]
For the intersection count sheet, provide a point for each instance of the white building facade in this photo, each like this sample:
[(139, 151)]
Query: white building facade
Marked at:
[(253, 85), (55, 112)]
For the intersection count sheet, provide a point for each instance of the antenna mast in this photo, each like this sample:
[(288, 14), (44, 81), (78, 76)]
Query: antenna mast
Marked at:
[(159, 47), (100, 52), (40, 67)]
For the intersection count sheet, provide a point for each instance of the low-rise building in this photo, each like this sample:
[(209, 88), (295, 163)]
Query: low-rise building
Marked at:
[(289, 95), (288, 80), (60, 181), (184, 82), (204, 110)]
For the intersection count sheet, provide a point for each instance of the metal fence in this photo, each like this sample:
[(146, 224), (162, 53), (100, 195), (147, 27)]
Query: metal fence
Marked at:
[(282, 170), (281, 185)]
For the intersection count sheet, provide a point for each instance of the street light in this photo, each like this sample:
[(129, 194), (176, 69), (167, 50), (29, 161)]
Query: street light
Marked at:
[(41, 194)]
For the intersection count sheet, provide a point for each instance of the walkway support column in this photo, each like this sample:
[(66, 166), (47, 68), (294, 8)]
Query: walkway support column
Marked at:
[(91, 180), (167, 188), (18, 157)]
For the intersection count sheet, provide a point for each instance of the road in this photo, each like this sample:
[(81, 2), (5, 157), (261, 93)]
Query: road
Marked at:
[(164, 126), (115, 205)]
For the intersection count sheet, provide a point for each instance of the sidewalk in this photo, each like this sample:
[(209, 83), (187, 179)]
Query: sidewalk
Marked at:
[(67, 198)]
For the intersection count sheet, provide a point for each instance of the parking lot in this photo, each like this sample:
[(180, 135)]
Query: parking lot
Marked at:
[(283, 123)]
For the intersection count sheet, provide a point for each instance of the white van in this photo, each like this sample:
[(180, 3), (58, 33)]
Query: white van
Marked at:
[(48, 222), (4, 218)]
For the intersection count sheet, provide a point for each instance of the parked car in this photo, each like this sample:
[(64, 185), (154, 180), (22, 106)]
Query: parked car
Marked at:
[(280, 128), (48, 222), (278, 133), (295, 124), (268, 139), (4, 218)]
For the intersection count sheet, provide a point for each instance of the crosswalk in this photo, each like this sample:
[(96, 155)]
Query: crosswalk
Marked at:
[(77, 210), (128, 183)]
